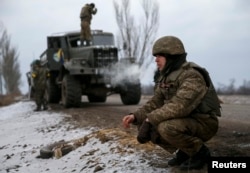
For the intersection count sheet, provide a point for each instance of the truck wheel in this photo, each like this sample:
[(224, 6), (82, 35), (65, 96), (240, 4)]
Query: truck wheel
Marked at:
[(71, 92), (131, 94)]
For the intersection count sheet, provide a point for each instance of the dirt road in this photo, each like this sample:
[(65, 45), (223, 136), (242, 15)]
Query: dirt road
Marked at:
[(232, 139)]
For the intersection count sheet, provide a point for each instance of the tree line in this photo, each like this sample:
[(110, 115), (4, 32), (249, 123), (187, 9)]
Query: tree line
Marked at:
[(231, 89), (10, 75), (222, 89)]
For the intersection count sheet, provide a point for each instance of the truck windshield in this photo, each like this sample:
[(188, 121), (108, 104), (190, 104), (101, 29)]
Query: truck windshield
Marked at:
[(103, 40)]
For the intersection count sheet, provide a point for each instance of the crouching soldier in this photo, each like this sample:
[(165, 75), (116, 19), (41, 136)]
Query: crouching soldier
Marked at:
[(182, 114)]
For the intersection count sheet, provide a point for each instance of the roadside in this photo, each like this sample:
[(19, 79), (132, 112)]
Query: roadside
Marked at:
[(232, 139), (108, 146)]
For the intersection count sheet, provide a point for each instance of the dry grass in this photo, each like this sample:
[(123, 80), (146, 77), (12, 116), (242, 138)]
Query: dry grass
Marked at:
[(6, 100)]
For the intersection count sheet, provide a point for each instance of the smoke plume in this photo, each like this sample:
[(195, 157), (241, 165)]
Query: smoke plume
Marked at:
[(122, 73)]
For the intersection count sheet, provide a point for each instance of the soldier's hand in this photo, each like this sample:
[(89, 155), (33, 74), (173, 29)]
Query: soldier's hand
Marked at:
[(127, 120)]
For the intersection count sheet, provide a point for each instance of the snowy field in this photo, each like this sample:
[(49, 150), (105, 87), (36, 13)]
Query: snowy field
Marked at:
[(24, 132)]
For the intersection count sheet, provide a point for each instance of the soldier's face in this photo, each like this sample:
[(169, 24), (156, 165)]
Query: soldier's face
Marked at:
[(160, 61)]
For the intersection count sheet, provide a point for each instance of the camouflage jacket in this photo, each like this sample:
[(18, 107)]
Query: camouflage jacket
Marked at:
[(182, 93), (86, 13), (40, 76)]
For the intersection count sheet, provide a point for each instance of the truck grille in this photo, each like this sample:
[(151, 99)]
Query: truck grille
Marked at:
[(105, 56)]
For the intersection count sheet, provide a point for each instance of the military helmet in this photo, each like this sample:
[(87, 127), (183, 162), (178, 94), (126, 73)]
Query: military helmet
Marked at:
[(92, 5), (36, 62), (168, 45)]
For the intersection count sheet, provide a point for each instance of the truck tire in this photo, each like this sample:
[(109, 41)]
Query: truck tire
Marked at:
[(130, 94), (71, 92)]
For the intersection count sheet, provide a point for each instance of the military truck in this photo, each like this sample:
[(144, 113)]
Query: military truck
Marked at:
[(78, 68)]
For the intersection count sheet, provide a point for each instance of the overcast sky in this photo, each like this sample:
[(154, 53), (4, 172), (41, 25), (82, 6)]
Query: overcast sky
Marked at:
[(215, 33)]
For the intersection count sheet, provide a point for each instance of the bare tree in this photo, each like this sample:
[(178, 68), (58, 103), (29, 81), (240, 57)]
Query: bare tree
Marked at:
[(9, 64), (1, 81), (137, 39), (244, 89)]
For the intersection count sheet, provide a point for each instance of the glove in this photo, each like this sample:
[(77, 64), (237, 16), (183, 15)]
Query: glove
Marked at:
[(144, 132), (33, 75), (155, 136)]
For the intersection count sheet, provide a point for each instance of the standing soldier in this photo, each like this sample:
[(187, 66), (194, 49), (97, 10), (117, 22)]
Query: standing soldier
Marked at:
[(86, 16), (39, 75)]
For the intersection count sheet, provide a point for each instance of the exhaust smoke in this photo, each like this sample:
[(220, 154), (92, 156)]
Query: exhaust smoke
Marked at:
[(122, 73)]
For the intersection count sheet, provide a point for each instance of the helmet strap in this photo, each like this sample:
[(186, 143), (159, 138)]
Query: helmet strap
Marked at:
[(174, 62)]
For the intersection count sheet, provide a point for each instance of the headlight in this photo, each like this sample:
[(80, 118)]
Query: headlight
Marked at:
[(74, 62), (83, 62)]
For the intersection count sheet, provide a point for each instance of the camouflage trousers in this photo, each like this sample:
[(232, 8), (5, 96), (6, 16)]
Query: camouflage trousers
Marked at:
[(40, 98), (187, 134), (85, 30)]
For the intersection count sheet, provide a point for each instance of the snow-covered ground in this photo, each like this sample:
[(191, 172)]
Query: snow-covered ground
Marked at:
[(24, 132)]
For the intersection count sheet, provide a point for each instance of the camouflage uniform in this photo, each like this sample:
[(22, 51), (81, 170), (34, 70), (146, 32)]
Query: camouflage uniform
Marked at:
[(86, 17), (40, 75), (185, 106)]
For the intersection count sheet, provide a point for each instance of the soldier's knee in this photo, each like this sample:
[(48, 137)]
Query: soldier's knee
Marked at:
[(167, 129)]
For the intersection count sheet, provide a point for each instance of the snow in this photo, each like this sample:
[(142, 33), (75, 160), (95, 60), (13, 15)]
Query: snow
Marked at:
[(24, 132)]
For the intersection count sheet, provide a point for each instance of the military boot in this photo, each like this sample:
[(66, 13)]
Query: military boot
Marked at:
[(179, 158), (37, 109), (45, 107), (198, 160)]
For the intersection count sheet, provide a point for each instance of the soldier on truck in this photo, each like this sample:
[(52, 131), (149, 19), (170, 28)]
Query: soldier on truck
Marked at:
[(86, 16)]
